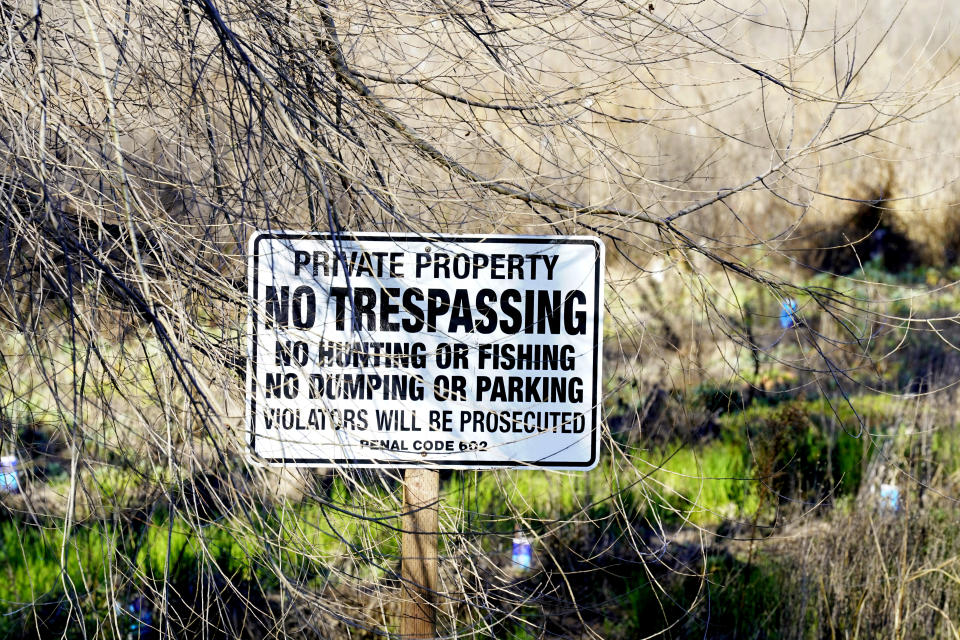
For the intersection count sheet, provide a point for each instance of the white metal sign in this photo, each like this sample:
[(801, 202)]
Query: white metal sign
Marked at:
[(398, 350)]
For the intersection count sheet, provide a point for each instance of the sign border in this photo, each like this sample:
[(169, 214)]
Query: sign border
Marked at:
[(253, 258)]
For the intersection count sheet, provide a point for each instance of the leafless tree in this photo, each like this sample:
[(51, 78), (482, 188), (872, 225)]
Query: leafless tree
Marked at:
[(711, 145)]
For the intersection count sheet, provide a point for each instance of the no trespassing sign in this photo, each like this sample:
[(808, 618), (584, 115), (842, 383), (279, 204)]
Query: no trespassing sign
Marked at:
[(401, 350)]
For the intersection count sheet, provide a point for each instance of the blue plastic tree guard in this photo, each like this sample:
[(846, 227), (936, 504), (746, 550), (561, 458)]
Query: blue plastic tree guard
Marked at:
[(522, 553), (9, 480), (788, 314)]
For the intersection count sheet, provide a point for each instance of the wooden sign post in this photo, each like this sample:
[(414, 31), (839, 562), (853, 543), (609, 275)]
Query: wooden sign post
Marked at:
[(421, 493)]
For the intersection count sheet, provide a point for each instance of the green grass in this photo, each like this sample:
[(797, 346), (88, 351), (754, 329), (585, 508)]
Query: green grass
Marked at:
[(706, 482), (700, 484), (33, 585)]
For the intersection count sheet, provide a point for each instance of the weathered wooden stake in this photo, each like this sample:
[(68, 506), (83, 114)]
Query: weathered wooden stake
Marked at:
[(419, 553)]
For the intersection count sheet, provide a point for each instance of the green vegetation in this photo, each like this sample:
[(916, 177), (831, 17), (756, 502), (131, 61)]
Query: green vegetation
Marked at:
[(765, 464), (742, 502)]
